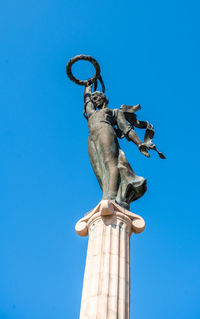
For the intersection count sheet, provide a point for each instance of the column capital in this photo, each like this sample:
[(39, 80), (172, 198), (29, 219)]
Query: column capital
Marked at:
[(109, 208)]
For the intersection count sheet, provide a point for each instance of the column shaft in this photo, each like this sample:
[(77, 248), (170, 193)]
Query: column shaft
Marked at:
[(106, 287)]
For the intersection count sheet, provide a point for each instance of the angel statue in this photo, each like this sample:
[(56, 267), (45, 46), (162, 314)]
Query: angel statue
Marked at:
[(116, 178)]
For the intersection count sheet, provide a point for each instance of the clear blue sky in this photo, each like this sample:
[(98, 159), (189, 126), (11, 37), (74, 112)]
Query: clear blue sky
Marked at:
[(149, 54)]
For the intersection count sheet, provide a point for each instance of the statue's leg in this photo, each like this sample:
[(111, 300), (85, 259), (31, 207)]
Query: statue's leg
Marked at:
[(94, 160), (108, 149)]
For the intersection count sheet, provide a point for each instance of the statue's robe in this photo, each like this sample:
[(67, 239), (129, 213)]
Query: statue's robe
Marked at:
[(109, 162)]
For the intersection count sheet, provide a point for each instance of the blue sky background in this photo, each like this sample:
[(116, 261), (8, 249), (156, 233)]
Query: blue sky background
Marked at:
[(149, 54)]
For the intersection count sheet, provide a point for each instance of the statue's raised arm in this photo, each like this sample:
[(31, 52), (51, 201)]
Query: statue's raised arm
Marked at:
[(114, 173)]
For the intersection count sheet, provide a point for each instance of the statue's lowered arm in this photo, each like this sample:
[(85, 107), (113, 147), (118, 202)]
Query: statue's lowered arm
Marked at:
[(129, 132), (130, 116)]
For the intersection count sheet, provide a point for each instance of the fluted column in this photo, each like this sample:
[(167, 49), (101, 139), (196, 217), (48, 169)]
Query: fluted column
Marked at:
[(106, 287)]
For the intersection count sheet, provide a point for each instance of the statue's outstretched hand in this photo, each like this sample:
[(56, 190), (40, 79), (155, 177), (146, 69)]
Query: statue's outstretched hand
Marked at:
[(89, 82), (143, 149), (88, 87)]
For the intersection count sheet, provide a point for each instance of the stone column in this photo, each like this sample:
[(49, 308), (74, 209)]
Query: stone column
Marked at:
[(106, 287)]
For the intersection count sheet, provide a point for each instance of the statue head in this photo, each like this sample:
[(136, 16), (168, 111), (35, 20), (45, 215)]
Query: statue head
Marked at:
[(99, 99)]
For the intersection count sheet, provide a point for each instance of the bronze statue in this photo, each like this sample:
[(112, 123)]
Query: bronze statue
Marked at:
[(114, 173)]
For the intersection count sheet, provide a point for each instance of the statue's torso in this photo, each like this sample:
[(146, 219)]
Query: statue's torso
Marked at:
[(100, 118)]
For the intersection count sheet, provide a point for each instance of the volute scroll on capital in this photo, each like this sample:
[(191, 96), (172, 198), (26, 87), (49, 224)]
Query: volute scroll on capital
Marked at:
[(108, 208)]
